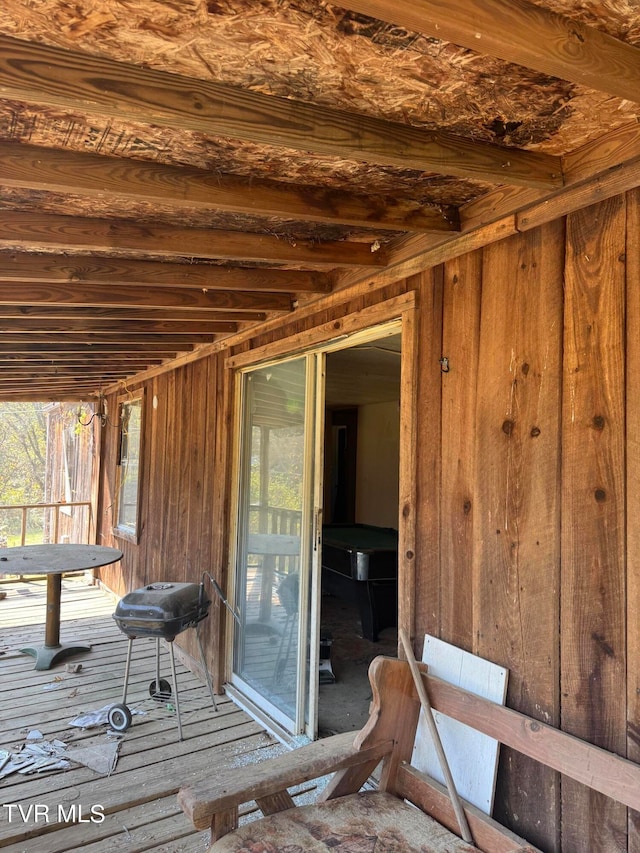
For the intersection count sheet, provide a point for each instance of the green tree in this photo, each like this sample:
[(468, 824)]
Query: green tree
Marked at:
[(22, 452)]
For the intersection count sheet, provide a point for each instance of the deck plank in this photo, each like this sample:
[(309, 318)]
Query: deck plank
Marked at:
[(138, 799)]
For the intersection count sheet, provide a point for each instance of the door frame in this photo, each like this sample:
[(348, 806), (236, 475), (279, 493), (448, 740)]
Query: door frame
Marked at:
[(246, 695), (374, 322)]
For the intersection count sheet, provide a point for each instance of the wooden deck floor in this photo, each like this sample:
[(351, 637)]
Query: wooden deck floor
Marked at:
[(138, 799)]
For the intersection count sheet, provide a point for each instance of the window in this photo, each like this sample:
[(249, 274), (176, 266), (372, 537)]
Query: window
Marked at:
[(129, 466)]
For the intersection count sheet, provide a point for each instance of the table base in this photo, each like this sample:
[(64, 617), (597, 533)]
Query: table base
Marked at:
[(46, 656)]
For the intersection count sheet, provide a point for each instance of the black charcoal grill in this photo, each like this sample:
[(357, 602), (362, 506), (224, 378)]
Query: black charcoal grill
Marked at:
[(160, 610)]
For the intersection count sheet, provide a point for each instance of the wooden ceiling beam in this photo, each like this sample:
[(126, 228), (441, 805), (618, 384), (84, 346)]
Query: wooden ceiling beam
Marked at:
[(63, 380), (35, 232), (603, 167), (68, 371), (521, 32), (31, 361), (134, 296), (45, 76), (62, 312), (46, 395), (80, 271), (52, 387), (88, 370), (45, 347), (179, 341), (598, 170), (93, 381), (122, 327), (184, 188), (24, 363)]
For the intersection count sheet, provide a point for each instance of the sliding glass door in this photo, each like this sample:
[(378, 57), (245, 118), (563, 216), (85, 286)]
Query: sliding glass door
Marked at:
[(276, 547)]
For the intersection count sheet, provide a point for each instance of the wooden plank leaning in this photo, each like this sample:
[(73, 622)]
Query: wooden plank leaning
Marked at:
[(465, 832)]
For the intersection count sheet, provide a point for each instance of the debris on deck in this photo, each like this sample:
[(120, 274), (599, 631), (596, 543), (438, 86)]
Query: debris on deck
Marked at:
[(38, 755), (35, 756), (102, 758)]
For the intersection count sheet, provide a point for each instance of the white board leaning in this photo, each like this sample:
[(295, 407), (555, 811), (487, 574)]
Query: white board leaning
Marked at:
[(472, 756)]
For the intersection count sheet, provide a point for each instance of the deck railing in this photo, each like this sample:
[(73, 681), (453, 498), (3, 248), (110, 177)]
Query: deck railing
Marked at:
[(277, 520), (28, 524)]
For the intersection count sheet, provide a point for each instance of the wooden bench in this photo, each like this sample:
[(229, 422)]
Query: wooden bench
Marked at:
[(344, 813)]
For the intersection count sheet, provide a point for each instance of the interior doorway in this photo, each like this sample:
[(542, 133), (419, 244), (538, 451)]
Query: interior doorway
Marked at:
[(358, 615)]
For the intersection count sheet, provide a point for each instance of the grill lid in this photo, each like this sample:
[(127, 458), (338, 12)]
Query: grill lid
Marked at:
[(161, 610)]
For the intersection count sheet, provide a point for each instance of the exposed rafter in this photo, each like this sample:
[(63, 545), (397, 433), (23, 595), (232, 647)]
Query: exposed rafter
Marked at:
[(46, 310), (36, 269), (41, 75), (35, 232), (522, 32), (111, 326), (179, 341), (123, 296), (79, 370), (90, 175), (155, 210), (44, 346)]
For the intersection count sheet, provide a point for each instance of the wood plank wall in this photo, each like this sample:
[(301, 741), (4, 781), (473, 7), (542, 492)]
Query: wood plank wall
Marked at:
[(183, 514), (593, 626), (534, 565), (516, 490), (527, 482), (632, 438)]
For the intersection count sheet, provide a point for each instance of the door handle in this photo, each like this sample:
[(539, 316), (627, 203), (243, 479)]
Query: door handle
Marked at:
[(317, 528)]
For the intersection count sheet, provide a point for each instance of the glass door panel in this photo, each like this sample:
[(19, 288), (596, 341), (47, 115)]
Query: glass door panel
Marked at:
[(272, 572)]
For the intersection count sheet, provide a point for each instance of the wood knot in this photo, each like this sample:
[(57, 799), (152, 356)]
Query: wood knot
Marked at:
[(598, 422), (600, 495), (602, 643), (535, 432), (507, 427)]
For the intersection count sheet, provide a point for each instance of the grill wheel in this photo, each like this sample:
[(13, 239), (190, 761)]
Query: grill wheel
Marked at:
[(160, 690), (119, 718)]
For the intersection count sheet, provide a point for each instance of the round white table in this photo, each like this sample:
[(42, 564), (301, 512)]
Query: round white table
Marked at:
[(54, 561)]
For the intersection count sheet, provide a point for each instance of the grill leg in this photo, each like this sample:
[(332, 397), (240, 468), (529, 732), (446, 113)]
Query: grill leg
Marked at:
[(158, 691), (175, 689), (126, 672), (204, 666)]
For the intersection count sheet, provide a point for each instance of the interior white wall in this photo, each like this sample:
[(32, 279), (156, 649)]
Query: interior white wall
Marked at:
[(377, 469)]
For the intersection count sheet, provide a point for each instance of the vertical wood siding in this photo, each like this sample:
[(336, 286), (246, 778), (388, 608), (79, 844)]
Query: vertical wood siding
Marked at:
[(425, 598), (593, 641), (184, 494), (527, 484), (632, 400), (460, 345), (515, 564)]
